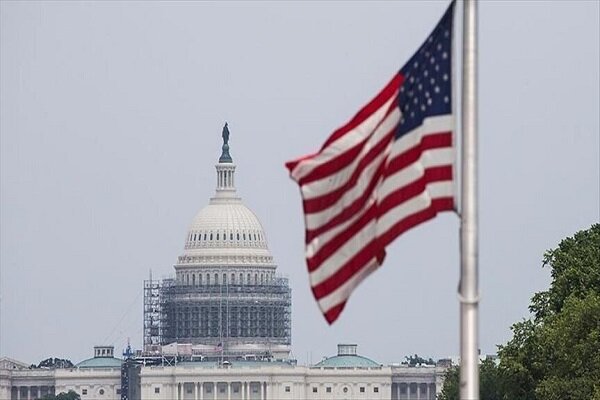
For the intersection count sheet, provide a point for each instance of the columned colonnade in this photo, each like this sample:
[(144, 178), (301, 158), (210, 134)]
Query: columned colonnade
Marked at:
[(220, 390)]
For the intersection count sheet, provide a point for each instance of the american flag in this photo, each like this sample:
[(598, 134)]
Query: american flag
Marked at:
[(387, 170)]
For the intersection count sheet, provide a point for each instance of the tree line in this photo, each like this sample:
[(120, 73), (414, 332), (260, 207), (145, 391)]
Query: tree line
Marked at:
[(555, 353)]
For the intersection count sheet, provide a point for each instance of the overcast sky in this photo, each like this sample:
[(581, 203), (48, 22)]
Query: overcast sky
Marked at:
[(111, 117)]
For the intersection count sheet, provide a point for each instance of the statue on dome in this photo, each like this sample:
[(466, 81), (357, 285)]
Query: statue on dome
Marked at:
[(225, 156), (225, 134)]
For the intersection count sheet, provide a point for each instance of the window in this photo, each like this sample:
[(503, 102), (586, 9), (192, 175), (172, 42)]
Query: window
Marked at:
[(376, 389), (231, 236), (328, 389), (217, 235), (346, 390), (101, 392), (83, 391), (189, 389), (156, 390), (194, 279), (362, 389), (211, 236), (288, 389), (118, 391), (314, 389), (216, 279)]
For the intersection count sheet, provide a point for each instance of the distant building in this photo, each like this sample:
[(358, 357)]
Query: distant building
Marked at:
[(345, 376), (226, 300)]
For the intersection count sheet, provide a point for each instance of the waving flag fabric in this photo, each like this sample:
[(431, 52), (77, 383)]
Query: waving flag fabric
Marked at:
[(387, 170)]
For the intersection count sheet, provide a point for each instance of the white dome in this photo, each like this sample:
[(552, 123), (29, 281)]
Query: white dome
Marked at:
[(225, 232), (229, 220)]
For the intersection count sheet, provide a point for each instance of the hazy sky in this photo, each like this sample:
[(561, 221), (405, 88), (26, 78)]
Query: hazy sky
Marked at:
[(111, 117)]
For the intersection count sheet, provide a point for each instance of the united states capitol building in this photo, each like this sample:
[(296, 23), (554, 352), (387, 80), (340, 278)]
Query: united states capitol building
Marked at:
[(220, 329)]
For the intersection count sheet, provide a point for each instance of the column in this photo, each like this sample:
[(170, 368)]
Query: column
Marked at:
[(262, 391), (243, 390), (18, 392), (266, 390), (228, 390), (419, 391), (201, 385), (195, 391), (215, 388)]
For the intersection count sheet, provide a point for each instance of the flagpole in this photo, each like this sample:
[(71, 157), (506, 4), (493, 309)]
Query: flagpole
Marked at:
[(468, 290)]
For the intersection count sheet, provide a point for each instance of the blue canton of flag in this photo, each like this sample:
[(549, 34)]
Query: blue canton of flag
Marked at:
[(427, 90)]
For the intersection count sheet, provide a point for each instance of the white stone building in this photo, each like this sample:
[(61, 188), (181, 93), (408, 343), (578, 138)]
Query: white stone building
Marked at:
[(346, 376)]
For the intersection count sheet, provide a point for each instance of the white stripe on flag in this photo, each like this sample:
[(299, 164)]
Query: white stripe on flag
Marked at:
[(346, 141)]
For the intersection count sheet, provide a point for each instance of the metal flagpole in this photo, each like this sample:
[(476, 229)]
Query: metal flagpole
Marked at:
[(468, 290)]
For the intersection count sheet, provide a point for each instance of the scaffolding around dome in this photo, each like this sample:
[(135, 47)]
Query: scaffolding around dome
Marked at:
[(219, 320)]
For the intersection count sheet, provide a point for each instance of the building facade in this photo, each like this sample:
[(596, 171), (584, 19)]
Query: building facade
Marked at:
[(345, 376)]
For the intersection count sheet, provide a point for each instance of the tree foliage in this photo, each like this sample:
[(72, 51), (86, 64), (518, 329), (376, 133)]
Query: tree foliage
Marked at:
[(71, 395), (555, 354), (54, 363), (417, 360)]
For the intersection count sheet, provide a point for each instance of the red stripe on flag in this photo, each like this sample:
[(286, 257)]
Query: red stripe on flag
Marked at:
[(388, 91), (333, 313), (317, 204), (370, 250), (391, 89), (394, 199), (429, 142)]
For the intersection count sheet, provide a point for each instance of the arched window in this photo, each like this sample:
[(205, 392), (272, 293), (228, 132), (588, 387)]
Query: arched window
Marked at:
[(248, 280), (262, 278), (216, 279), (232, 278), (241, 278), (224, 278), (207, 279), (211, 236), (199, 279), (187, 279), (193, 279), (231, 236), (204, 235), (238, 236), (217, 235), (256, 279), (244, 235)]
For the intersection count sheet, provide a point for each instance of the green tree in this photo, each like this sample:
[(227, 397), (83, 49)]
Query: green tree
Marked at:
[(555, 354), (490, 382), (416, 359), (71, 395)]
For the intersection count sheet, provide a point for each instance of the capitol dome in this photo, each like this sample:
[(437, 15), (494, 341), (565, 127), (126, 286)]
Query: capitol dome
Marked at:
[(225, 232), (226, 298)]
